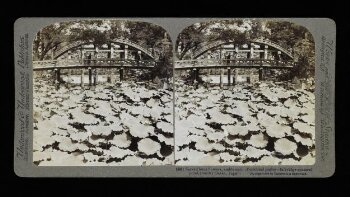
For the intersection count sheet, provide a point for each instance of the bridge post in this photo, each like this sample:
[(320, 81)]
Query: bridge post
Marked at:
[(265, 51), (90, 76), (194, 73), (121, 72), (81, 55), (279, 55), (112, 52), (251, 50), (82, 78), (197, 75), (261, 74), (59, 75), (95, 77), (221, 78), (228, 76), (140, 54), (52, 55), (234, 77), (290, 75), (69, 78), (55, 76), (109, 76), (126, 52)]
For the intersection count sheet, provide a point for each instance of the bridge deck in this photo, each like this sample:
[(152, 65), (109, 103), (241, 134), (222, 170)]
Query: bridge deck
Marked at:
[(92, 63), (233, 63), (232, 66), (90, 66)]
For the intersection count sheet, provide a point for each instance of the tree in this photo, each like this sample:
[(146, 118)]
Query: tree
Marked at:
[(190, 38), (290, 35), (86, 31), (144, 33), (164, 66), (304, 50), (49, 38), (118, 29)]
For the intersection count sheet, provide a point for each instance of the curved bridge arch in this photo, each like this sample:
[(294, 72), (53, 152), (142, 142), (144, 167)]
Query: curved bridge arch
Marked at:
[(212, 45), (70, 46)]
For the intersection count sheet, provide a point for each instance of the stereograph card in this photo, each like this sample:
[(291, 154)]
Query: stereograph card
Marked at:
[(174, 97)]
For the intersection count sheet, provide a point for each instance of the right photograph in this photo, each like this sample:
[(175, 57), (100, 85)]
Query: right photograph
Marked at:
[(244, 93)]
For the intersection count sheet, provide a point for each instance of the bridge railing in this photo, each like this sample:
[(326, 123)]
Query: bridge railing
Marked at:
[(232, 62), (208, 45), (45, 63), (123, 62), (141, 47), (94, 62), (134, 44), (279, 46)]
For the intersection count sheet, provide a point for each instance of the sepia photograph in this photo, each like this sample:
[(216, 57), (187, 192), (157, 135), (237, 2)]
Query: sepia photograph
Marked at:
[(102, 94), (244, 93)]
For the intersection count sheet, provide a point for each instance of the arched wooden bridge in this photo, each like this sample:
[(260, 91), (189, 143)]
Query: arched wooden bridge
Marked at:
[(262, 54), (92, 64)]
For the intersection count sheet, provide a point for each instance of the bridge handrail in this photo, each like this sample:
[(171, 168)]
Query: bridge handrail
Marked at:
[(234, 59), (70, 45), (274, 44), (143, 48), (92, 62), (208, 45), (221, 62), (136, 44), (45, 61), (114, 59)]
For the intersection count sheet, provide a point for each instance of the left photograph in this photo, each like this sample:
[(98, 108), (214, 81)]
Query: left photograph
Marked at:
[(102, 94)]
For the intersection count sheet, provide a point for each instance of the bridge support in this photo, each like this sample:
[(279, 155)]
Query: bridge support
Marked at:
[(290, 75), (90, 76), (197, 75), (95, 77), (265, 51), (221, 78), (251, 50), (121, 73), (81, 50), (126, 51), (54, 76), (82, 78), (261, 74), (234, 77), (109, 77), (69, 80), (57, 76), (194, 74), (228, 76)]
